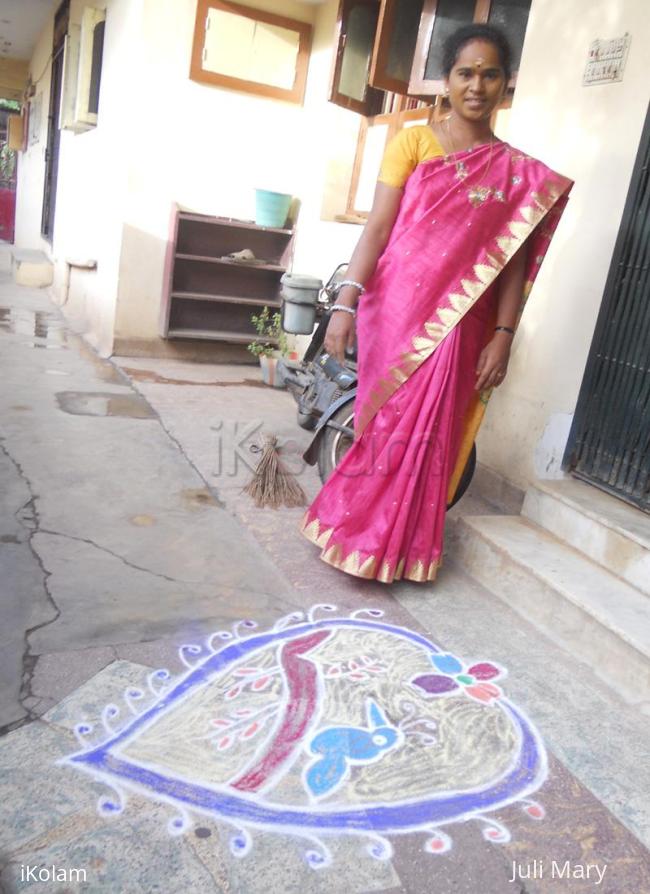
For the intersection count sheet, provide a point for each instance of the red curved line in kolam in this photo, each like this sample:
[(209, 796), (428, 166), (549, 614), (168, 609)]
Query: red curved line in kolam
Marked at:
[(302, 698)]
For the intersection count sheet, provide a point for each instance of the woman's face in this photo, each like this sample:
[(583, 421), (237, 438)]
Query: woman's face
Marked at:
[(477, 81)]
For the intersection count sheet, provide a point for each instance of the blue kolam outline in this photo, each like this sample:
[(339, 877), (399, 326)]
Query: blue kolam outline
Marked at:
[(528, 770)]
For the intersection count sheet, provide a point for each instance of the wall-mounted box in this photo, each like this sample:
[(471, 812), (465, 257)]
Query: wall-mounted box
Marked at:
[(16, 136)]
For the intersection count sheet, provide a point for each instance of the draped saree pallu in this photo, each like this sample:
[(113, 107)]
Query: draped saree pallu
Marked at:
[(428, 311)]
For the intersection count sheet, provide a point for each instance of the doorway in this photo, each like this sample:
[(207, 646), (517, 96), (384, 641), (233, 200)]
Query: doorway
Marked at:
[(61, 20), (8, 174), (609, 443)]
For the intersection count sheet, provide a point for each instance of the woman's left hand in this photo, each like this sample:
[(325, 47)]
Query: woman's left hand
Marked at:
[(492, 364)]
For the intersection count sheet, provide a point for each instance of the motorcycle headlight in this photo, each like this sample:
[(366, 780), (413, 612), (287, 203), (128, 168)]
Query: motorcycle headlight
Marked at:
[(344, 379)]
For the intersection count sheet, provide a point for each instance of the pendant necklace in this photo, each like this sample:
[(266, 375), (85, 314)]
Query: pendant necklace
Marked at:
[(478, 192)]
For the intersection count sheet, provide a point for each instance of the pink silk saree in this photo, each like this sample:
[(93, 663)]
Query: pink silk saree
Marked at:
[(427, 312)]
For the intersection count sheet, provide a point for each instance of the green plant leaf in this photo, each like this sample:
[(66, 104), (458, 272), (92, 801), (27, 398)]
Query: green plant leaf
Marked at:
[(269, 329)]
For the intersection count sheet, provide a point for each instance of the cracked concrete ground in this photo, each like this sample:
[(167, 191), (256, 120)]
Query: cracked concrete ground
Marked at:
[(97, 554), (124, 534)]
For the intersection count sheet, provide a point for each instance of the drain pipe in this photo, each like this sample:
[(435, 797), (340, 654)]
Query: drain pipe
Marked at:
[(79, 265)]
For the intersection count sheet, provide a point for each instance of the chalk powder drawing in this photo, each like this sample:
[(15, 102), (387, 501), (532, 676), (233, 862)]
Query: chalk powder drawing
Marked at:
[(321, 726)]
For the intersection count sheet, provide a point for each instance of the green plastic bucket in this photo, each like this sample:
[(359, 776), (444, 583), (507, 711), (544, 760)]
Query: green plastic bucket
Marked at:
[(271, 208)]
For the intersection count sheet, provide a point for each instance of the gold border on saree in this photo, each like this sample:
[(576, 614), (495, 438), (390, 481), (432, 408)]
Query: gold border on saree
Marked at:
[(461, 300), (367, 568)]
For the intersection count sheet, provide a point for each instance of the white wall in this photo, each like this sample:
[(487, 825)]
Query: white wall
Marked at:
[(322, 244), (590, 134), (208, 148), (92, 180), (162, 139)]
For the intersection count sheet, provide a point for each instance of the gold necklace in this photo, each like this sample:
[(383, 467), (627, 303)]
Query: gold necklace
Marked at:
[(477, 192)]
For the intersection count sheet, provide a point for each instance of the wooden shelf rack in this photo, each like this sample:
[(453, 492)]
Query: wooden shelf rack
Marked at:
[(211, 296)]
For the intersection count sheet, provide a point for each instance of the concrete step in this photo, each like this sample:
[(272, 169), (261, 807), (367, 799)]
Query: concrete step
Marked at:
[(601, 619), (605, 529), (32, 268)]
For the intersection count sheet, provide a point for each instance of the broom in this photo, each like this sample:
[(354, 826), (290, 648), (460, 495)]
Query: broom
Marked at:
[(272, 484)]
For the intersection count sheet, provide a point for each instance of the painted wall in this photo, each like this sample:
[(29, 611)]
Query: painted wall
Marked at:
[(92, 180), (207, 149), (163, 139), (590, 134)]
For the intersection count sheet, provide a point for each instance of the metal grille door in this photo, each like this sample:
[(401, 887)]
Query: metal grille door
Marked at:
[(610, 440), (61, 20)]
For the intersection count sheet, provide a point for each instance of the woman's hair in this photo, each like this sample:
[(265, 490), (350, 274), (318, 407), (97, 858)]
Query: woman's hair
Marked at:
[(457, 40)]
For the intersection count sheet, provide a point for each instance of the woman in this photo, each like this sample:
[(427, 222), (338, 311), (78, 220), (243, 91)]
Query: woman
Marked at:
[(459, 226)]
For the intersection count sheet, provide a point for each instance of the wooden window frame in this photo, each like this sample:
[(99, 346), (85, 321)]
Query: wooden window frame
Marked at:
[(379, 76), (373, 97), (428, 91), (437, 111), (379, 81), (366, 123), (395, 121), (89, 74), (197, 73), (420, 85)]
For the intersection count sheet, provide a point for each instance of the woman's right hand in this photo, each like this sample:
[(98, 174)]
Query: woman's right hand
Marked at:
[(341, 329), (340, 334)]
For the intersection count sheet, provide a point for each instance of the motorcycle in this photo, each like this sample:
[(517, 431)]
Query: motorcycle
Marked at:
[(325, 389)]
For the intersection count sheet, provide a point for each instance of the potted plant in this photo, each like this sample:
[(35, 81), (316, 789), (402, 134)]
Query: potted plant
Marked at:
[(269, 345)]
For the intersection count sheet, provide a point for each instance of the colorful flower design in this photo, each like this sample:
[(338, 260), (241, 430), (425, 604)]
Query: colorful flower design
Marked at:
[(453, 675)]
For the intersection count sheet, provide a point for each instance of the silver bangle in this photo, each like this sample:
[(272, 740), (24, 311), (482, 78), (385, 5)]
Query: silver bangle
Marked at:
[(350, 282), (348, 310)]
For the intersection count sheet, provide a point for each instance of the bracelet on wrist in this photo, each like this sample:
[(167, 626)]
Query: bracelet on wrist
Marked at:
[(350, 282), (504, 329), (343, 307)]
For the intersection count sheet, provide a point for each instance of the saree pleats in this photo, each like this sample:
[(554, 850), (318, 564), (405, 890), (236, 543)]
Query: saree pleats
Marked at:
[(382, 512)]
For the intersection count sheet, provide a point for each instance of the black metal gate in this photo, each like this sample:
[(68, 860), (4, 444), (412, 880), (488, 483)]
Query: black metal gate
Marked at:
[(53, 133), (609, 443)]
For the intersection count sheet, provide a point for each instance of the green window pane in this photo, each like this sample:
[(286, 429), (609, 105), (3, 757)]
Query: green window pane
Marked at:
[(403, 39), (511, 16), (450, 14), (360, 37)]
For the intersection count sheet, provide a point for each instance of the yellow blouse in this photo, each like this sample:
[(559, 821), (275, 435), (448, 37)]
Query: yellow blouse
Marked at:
[(407, 149)]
